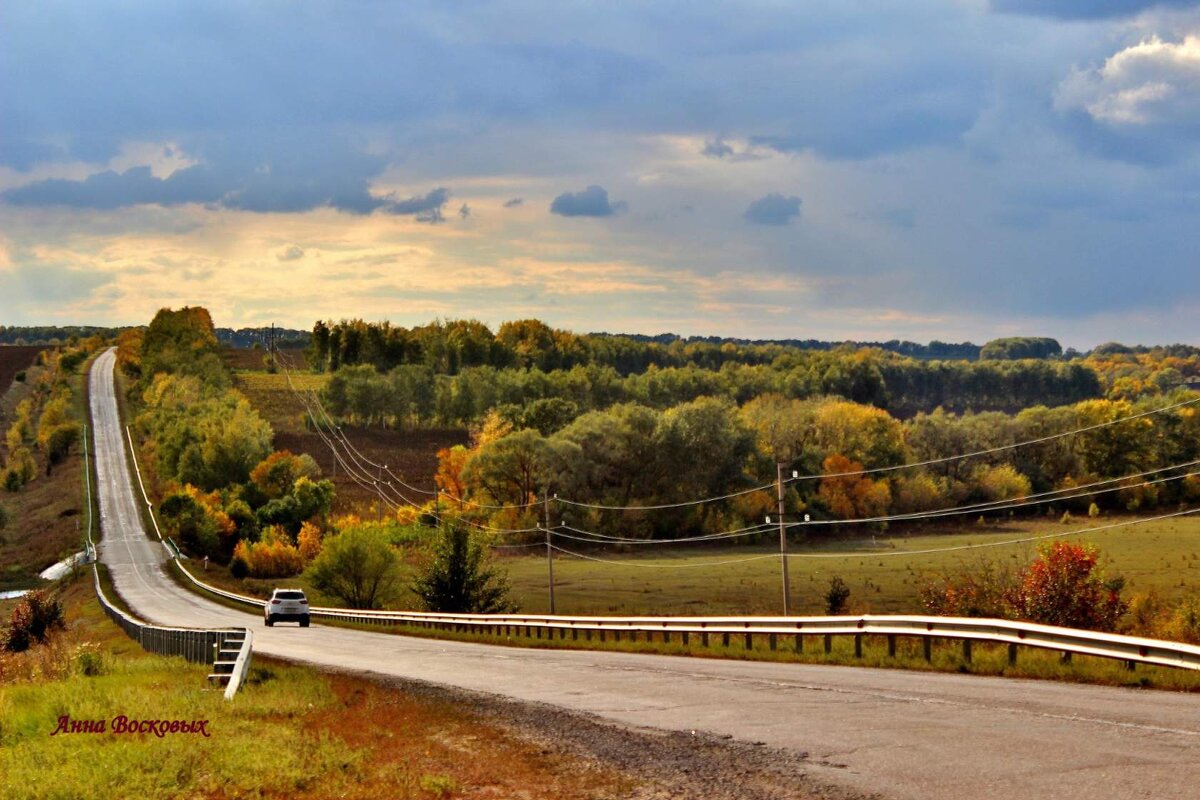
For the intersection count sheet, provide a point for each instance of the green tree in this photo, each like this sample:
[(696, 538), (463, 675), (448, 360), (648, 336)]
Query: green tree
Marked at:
[(359, 567), (458, 578)]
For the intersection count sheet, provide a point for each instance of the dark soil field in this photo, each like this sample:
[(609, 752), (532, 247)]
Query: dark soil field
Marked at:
[(411, 455), (13, 359), (248, 358)]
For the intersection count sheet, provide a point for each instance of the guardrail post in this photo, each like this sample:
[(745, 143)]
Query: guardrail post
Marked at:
[(704, 638), (828, 643), (749, 641), (1065, 658), (799, 643), (891, 640), (685, 638), (574, 634), (858, 645), (1131, 665), (725, 640), (666, 637), (1012, 655), (602, 634), (587, 635), (967, 650), (927, 643), (771, 642)]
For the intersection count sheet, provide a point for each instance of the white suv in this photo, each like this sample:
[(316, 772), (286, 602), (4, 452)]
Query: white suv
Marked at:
[(286, 605)]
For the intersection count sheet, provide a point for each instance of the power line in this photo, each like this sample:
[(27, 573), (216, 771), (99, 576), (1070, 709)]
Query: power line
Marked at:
[(1068, 493), (878, 470), (889, 553), (793, 479)]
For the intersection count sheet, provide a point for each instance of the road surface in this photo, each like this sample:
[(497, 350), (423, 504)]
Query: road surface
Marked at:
[(901, 734)]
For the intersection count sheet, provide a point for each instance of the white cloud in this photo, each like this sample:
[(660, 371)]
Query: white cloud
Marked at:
[(1154, 82)]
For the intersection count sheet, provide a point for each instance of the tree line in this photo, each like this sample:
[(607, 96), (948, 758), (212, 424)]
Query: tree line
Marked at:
[(634, 455), (415, 395), (223, 491)]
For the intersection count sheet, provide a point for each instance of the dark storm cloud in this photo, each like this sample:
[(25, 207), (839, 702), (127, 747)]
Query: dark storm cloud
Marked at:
[(591, 202), (426, 208), (774, 209)]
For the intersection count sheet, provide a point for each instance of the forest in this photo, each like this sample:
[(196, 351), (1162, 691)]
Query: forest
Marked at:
[(614, 421)]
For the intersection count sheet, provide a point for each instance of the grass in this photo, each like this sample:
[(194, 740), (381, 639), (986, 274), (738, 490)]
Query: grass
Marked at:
[(332, 735), (1163, 556), (47, 515)]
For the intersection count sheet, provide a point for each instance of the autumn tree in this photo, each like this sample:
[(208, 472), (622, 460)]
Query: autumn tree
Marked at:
[(359, 567), (1065, 586), (458, 578)]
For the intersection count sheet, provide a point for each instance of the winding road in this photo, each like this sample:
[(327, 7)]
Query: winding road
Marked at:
[(900, 734)]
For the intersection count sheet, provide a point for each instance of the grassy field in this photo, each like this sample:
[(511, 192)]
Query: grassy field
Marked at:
[(882, 576), (336, 736), (1164, 556)]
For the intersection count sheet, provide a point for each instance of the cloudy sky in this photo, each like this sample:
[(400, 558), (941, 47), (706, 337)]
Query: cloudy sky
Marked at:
[(959, 169)]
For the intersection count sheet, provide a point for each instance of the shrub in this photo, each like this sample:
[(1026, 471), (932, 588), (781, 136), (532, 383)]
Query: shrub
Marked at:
[(20, 468), (1065, 586), (89, 660), (273, 557), (19, 377), (459, 579), (33, 619), (1093, 510), (238, 567), (978, 590), (59, 441), (359, 567), (309, 542), (836, 597)]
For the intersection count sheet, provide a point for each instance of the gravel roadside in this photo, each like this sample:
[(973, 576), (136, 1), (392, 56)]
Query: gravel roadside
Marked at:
[(665, 765)]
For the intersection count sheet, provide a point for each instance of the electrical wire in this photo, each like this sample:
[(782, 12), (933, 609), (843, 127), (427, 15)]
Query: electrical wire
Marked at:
[(879, 470), (682, 504), (888, 553)]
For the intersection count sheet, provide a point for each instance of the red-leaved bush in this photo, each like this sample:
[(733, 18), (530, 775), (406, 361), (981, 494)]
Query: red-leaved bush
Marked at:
[(1066, 587)]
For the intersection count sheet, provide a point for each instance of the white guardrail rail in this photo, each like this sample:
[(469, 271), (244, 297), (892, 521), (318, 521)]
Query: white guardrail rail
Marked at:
[(227, 650), (1130, 649)]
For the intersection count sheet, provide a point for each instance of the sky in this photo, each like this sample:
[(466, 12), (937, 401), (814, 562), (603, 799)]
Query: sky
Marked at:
[(927, 169)]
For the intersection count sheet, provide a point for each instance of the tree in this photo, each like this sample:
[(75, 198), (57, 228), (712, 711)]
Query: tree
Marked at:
[(359, 567), (1066, 587), (783, 426), (458, 578)]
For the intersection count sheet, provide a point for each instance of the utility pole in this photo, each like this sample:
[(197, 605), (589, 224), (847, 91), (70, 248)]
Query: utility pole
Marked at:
[(783, 558), (549, 546), (379, 495)]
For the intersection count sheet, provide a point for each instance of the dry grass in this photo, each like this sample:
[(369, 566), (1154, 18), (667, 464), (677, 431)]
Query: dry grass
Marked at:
[(47, 515), (340, 736)]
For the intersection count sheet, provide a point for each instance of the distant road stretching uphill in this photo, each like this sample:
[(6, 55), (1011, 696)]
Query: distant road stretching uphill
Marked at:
[(901, 734)]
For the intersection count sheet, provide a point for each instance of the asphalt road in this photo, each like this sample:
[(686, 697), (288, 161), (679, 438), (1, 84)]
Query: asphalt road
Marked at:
[(901, 734)]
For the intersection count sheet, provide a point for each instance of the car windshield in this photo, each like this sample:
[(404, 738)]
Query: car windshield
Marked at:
[(289, 595)]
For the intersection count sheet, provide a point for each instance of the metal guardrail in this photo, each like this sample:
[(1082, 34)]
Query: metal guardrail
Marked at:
[(1068, 641), (198, 645)]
